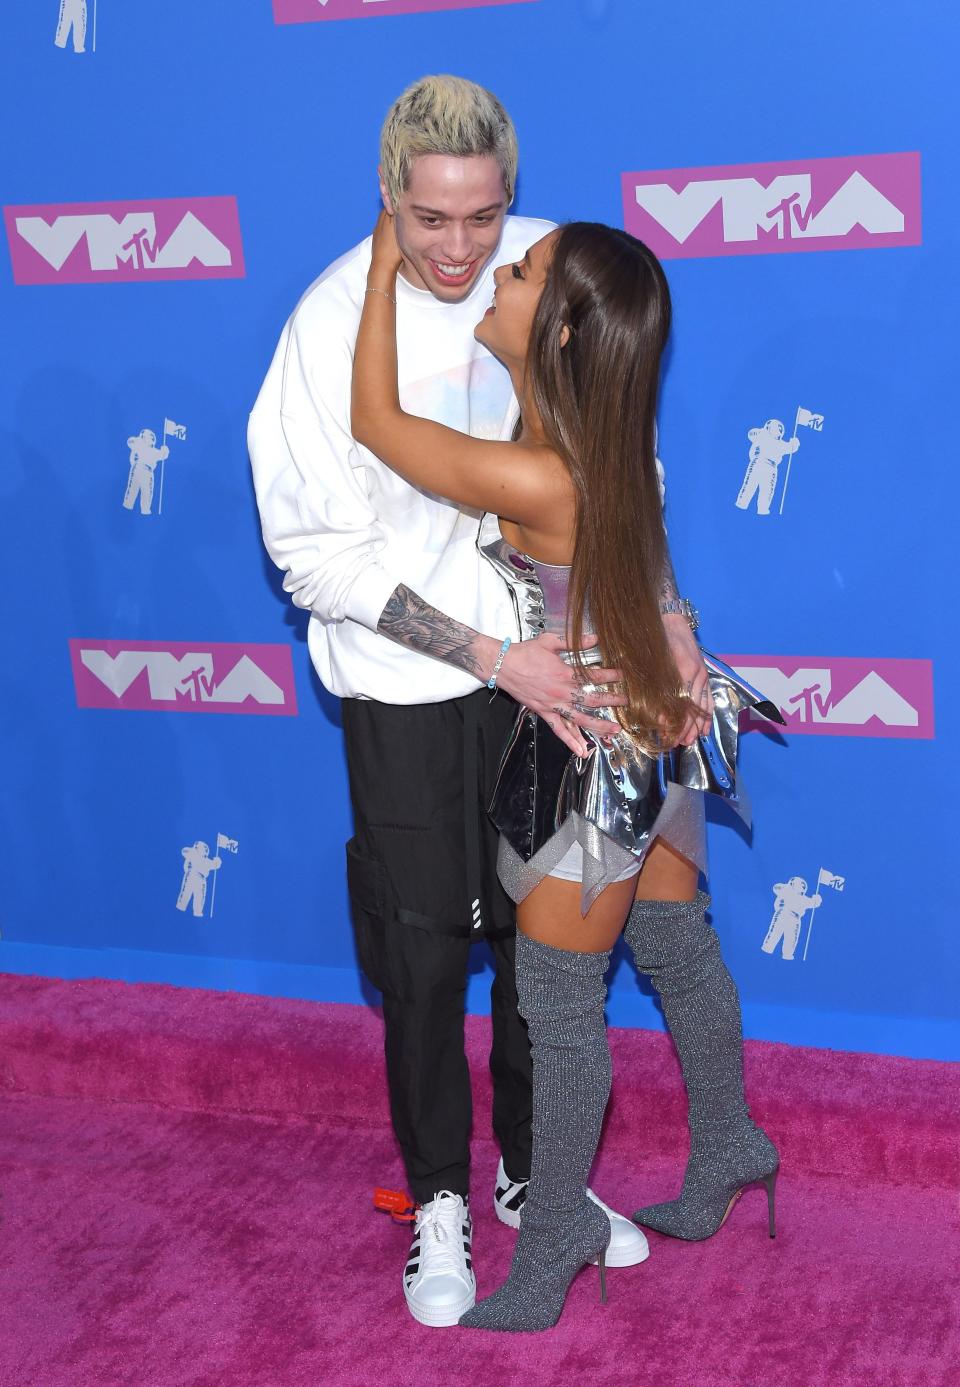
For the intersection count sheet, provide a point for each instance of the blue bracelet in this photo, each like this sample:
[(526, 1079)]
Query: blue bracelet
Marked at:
[(492, 681)]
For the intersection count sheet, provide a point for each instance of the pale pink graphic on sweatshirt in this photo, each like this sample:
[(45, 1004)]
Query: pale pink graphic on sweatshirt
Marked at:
[(843, 697), (311, 11), (95, 242), (184, 677), (847, 203)]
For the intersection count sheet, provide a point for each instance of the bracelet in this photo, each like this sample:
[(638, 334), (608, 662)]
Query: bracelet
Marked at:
[(492, 681), (384, 293), (681, 607)]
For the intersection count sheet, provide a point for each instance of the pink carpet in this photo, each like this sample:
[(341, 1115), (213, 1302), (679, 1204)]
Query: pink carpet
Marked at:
[(186, 1181)]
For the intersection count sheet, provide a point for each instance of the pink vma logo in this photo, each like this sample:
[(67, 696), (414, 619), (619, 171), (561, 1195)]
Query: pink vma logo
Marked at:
[(94, 242), (849, 203), (310, 11), (843, 697), (177, 677)]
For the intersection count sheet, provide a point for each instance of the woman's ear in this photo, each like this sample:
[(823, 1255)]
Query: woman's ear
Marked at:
[(564, 336), (384, 195)]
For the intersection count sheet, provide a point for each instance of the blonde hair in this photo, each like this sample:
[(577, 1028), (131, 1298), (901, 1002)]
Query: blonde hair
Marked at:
[(445, 115)]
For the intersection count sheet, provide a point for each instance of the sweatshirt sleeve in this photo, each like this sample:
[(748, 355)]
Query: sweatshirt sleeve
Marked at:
[(318, 524)]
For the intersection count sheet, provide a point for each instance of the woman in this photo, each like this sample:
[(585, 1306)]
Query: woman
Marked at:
[(587, 842)]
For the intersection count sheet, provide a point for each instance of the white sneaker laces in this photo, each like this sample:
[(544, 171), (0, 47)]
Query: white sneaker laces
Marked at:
[(441, 1236)]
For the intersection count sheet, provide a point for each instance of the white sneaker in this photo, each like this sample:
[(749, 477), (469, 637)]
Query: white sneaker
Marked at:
[(509, 1197), (628, 1247), (438, 1280)]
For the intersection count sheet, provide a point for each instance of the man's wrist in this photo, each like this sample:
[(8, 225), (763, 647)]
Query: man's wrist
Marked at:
[(485, 650)]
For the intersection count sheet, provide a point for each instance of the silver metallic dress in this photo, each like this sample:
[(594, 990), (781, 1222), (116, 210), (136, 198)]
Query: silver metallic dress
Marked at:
[(615, 801)]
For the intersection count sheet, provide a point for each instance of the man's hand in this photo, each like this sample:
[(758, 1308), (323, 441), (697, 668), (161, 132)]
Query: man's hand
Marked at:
[(693, 675), (534, 674)]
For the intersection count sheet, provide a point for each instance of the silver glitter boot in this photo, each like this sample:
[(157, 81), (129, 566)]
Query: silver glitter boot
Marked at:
[(680, 952), (561, 996)]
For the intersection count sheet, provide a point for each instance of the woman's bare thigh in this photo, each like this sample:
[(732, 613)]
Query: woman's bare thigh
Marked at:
[(551, 912), (551, 915)]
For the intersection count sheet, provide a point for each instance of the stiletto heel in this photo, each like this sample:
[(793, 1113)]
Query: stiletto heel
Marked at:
[(771, 1183), (602, 1264)]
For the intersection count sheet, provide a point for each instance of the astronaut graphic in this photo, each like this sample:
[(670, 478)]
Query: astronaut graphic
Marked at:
[(144, 456), (197, 866), (768, 448), (791, 903), (72, 22)]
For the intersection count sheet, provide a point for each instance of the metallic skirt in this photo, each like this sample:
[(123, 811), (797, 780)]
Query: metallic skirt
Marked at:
[(618, 799)]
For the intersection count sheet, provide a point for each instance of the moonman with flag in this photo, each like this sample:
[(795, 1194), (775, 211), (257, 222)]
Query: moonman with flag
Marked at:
[(791, 903), (144, 456), (197, 866), (768, 448)]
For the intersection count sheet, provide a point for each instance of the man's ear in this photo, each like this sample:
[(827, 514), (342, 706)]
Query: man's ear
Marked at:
[(564, 336), (384, 195)]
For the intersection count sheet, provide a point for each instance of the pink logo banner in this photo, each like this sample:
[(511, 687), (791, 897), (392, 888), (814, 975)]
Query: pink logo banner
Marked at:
[(841, 697), (97, 242), (180, 677), (312, 11), (850, 203)]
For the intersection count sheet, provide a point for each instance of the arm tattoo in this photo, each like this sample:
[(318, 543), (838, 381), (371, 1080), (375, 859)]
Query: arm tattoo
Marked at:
[(410, 621), (668, 581)]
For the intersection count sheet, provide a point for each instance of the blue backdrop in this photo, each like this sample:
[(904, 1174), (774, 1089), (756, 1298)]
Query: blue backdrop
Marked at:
[(192, 102)]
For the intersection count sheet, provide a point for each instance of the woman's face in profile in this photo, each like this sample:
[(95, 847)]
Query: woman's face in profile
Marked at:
[(505, 327)]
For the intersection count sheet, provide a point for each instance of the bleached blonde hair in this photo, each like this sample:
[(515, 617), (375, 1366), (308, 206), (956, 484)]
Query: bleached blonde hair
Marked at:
[(445, 115)]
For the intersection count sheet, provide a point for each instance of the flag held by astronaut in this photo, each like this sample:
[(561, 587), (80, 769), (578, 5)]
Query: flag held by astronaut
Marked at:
[(172, 430), (829, 879), (229, 844), (808, 420)]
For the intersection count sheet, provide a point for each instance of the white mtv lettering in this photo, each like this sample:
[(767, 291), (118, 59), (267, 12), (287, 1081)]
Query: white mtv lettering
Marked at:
[(745, 203), (190, 676), (781, 206), (133, 240), (857, 203), (191, 241), (807, 695), (874, 698), (247, 680)]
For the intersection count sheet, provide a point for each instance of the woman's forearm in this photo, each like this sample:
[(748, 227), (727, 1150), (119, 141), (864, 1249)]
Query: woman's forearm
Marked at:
[(375, 403)]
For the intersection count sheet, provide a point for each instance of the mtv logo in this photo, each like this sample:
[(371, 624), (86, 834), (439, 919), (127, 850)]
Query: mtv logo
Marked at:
[(844, 697), (310, 11), (846, 203), (178, 678), (89, 243)]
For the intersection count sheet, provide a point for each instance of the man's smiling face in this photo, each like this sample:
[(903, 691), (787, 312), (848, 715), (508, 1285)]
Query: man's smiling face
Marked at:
[(449, 221)]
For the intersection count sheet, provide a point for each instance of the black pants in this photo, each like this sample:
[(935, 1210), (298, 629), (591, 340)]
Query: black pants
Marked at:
[(423, 885)]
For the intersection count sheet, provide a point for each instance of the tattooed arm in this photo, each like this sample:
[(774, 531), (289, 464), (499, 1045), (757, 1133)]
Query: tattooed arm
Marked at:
[(532, 671), (410, 621)]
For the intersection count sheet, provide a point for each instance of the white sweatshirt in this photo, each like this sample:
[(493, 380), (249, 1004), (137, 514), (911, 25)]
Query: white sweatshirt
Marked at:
[(346, 529)]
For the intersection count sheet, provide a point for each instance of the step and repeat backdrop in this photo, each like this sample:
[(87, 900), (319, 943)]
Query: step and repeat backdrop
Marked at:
[(174, 793)]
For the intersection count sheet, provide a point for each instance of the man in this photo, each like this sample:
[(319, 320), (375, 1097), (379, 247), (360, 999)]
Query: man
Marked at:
[(408, 625)]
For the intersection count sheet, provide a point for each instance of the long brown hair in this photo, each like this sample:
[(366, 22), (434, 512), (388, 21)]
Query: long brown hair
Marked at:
[(597, 401)]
